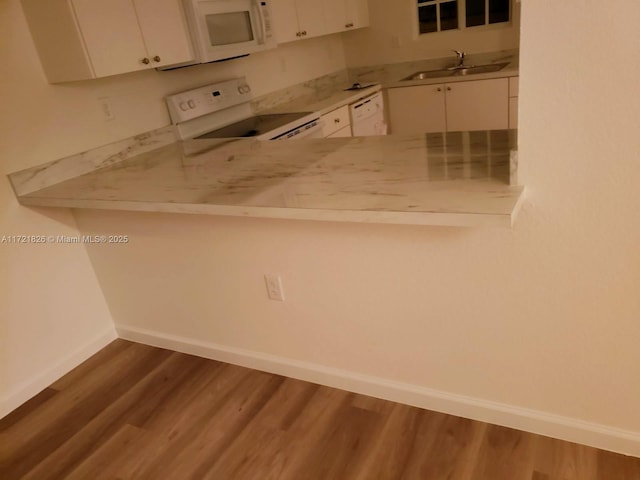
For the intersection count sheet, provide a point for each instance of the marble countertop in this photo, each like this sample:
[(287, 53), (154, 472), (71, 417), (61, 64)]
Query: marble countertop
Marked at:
[(455, 178)]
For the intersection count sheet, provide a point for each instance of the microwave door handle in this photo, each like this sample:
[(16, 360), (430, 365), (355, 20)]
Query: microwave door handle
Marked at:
[(263, 27)]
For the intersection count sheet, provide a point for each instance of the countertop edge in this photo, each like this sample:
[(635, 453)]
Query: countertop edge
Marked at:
[(450, 219)]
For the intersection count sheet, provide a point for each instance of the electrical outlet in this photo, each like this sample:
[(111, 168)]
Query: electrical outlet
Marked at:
[(106, 108), (274, 287)]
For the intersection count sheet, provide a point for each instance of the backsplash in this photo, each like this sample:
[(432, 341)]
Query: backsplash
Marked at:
[(314, 87)]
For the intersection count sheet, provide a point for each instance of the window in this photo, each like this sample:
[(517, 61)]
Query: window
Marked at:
[(485, 12), (437, 15), (441, 15)]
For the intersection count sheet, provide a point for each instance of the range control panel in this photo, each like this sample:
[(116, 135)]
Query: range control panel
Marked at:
[(208, 99)]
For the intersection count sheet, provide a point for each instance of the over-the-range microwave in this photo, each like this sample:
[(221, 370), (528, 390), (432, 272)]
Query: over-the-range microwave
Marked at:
[(225, 29)]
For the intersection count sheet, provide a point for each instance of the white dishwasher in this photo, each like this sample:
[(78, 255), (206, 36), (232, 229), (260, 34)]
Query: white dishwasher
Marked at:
[(367, 116)]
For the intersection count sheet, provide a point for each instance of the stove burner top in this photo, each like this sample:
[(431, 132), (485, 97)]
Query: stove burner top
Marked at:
[(254, 126)]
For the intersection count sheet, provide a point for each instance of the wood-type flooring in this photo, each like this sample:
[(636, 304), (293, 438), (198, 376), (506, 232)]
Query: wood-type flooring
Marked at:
[(137, 412)]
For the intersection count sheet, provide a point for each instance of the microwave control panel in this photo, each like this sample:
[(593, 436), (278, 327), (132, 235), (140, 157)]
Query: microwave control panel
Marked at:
[(208, 99)]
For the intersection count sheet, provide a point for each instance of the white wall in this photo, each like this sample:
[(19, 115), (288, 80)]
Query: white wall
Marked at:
[(389, 19), (53, 311), (543, 319)]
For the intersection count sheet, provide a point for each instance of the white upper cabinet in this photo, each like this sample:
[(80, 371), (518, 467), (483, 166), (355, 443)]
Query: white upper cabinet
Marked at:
[(298, 19), (311, 18), (357, 14), (164, 30), (112, 35), (82, 39), (345, 15), (336, 13)]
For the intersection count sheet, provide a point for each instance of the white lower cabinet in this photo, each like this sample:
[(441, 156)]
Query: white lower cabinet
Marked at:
[(417, 109), (456, 106), (83, 39), (336, 123)]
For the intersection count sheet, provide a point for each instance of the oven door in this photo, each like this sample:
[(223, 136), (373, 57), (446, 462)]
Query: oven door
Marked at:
[(229, 28)]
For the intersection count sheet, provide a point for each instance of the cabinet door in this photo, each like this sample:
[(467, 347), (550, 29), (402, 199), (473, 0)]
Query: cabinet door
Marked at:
[(311, 18), (357, 13), (415, 110), (112, 36), (336, 15), (285, 20), (478, 105), (164, 31)]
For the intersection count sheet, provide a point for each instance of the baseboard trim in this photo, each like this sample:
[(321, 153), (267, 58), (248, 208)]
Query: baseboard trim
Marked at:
[(33, 386), (551, 425)]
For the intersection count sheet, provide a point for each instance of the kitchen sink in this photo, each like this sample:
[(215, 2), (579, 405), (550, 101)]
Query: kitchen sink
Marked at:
[(429, 74), (456, 71)]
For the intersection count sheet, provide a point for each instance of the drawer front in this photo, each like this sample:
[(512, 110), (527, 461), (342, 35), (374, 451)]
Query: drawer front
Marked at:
[(343, 132), (335, 120), (514, 85)]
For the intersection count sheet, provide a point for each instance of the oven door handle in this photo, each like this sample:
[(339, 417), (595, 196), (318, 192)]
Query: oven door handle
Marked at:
[(263, 27)]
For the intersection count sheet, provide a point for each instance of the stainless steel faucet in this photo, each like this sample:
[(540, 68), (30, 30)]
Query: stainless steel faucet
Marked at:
[(460, 58)]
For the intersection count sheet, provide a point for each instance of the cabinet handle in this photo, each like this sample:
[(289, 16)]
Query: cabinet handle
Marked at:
[(145, 60), (448, 89), (439, 89), (349, 25), (304, 32), (336, 120), (298, 34), (156, 58)]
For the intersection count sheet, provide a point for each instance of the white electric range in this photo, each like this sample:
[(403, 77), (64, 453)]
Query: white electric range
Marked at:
[(223, 110)]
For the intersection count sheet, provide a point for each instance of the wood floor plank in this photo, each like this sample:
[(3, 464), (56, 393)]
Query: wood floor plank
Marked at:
[(31, 406), (135, 412), (564, 460), (397, 449), (135, 403), (195, 449), (341, 449), (287, 404), (451, 447), (100, 464), (505, 454), (97, 361), (28, 443), (617, 467)]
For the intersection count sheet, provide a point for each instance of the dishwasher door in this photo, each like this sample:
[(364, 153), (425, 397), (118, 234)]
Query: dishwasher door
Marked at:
[(367, 116), (313, 129)]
